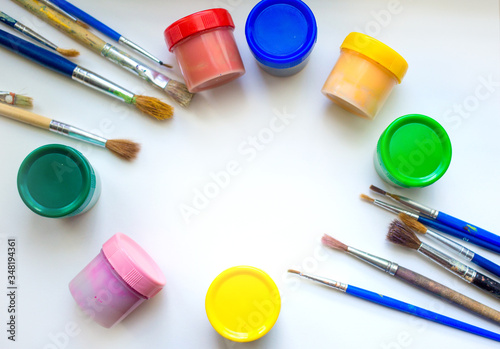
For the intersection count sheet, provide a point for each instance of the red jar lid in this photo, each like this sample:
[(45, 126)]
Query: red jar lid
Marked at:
[(196, 23)]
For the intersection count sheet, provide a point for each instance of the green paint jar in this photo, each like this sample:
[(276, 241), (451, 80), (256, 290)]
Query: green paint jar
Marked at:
[(58, 181), (414, 151)]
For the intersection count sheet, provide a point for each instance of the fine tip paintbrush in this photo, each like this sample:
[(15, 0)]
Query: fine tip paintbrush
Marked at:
[(101, 27), (175, 89), (12, 98), (148, 105), (13, 23), (465, 228), (432, 223), (459, 249), (400, 234), (61, 11), (123, 148), (395, 304), (415, 279)]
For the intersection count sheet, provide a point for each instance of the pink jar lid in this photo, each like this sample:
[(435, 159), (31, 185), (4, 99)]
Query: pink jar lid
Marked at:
[(134, 265), (196, 23)]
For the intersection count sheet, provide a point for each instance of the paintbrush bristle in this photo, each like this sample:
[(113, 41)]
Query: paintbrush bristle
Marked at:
[(23, 101), (412, 223), (166, 65), (329, 241), (293, 271), (378, 190), (83, 24), (154, 107), (367, 198), (179, 92), (68, 52), (123, 148), (401, 235)]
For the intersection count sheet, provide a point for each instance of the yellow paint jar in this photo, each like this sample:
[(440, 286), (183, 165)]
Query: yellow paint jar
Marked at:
[(243, 304), (364, 75)]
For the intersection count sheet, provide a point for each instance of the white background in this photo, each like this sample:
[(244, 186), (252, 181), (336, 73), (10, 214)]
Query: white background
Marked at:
[(303, 183)]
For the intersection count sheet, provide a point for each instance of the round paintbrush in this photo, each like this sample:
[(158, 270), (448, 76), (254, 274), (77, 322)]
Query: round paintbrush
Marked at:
[(401, 235), (416, 279)]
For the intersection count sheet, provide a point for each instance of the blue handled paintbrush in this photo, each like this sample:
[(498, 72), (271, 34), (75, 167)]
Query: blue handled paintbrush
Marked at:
[(399, 305)]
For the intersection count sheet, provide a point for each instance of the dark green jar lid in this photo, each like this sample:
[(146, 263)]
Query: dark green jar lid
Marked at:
[(415, 150), (54, 180)]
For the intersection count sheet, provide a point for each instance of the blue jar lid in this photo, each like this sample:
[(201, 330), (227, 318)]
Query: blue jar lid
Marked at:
[(281, 33)]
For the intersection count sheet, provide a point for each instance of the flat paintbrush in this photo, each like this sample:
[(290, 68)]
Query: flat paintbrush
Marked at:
[(401, 235), (461, 250), (101, 27), (121, 147), (415, 279), (12, 98), (432, 223), (465, 228), (175, 89), (395, 304), (149, 105), (13, 23)]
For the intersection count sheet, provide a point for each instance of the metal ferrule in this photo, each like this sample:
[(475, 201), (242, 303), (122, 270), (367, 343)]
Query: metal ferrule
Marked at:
[(75, 132), (121, 58), (137, 48), (381, 263), (430, 212), (327, 282), (457, 268), (60, 10), (394, 209), (452, 245), (29, 32), (97, 82)]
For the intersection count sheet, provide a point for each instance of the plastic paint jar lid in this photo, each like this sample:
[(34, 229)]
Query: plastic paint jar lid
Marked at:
[(414, 151), (281, 33), (196, 23), (243, 303), (134, 265), (377, 51), (55, 181)]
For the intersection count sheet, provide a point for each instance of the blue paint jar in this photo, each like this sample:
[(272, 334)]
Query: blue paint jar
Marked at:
[(281, 35)]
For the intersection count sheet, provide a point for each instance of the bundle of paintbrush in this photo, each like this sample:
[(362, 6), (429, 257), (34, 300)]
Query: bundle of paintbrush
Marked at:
[(12, 98), (475, 239), (415, 279), (11, 22), (401, 235), (392, 303), (177, 90), (149, 105), (121, 147)]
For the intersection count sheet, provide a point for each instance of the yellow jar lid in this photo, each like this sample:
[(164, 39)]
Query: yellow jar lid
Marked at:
[(377, 51), (243, 303)]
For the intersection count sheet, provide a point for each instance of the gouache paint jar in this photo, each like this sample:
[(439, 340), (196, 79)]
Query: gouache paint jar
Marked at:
[(58, 181), (117, 281), (281, 35), (205, 49), (414, 151), (364, 75), (243, 304)]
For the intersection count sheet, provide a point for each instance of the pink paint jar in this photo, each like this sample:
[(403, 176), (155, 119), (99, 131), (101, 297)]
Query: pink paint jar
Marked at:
[(117, 281), (205, 49)]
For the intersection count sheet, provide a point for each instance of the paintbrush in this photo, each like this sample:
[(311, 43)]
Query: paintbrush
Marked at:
[(393, 303), (432, 223), (415, 279), (101, 27), (149, 105), (11, 22), (61, 11), (177, 90), (461, 250), (445, 219), (123, 148), (401, 235), (12, 98)]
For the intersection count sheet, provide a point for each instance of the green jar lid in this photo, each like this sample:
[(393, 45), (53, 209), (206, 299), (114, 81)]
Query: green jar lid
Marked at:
[(54, 180), (415, 150)]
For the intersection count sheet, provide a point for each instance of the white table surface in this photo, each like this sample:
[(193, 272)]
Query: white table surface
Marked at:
[(303, 183)]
